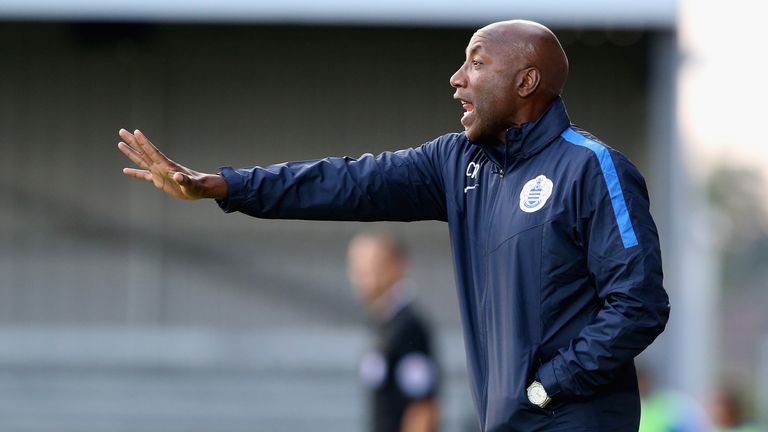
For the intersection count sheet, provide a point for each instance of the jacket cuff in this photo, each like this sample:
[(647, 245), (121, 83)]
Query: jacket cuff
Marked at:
[(235, 190), (548, 378)]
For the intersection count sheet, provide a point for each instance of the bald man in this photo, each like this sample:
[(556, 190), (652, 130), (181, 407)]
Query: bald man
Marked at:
[(558, 267)]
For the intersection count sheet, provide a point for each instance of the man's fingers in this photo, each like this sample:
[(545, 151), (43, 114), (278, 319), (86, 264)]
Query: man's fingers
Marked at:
[(127, 137), (149, 149), (130, 139), (133, 155), (133, 143), (138, 173)]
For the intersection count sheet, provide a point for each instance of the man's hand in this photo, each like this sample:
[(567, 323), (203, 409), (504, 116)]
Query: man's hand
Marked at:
[(176, 180)]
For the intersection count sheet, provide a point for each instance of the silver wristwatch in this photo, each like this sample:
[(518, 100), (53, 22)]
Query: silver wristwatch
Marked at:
[(538, 395)]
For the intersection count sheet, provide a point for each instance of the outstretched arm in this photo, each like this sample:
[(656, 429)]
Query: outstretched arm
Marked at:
[(406, 185), (176, 180)]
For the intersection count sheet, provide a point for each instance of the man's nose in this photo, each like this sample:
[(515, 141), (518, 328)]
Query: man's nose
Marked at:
[(459, 79)]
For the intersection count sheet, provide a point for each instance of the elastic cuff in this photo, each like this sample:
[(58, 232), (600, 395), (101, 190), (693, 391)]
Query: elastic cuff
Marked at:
[(235, 187), (547, 377)]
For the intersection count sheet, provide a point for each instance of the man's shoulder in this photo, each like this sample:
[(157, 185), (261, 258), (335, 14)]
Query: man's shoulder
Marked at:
[(590, 158), (586, 147), (410, 320), (450, 142), (453, 137)]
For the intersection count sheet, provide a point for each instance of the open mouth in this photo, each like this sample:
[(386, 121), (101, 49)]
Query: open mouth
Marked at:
[(468, 117)]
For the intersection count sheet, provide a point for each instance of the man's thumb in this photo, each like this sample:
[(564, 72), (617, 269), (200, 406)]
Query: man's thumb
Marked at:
[(180, 178)]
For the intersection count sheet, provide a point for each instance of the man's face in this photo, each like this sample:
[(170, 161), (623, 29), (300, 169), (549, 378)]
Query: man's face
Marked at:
[(485, 86), (372, 267)]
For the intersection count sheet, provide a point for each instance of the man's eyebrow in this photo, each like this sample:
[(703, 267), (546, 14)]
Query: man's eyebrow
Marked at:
[(474, 49)]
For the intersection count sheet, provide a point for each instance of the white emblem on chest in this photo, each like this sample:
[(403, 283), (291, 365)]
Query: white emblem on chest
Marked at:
[(535, 194)]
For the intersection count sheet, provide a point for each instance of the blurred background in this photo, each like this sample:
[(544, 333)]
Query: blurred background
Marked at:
[(123, 310)]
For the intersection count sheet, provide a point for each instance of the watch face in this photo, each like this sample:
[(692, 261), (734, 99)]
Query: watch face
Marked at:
[(536, 394)]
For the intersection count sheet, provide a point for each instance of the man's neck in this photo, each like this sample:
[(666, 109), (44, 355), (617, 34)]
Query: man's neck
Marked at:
[(391, 302)]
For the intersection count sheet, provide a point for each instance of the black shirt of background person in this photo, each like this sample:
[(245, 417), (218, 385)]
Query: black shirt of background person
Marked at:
[(400, 370)]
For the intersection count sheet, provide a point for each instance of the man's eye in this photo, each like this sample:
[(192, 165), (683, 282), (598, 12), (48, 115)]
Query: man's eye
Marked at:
[(476, 63)]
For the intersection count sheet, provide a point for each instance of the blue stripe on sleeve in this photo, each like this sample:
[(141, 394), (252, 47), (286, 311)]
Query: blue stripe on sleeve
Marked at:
[(612, 182)]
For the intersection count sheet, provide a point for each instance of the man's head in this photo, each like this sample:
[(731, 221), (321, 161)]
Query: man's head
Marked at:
[(512, 72), (376, 262)]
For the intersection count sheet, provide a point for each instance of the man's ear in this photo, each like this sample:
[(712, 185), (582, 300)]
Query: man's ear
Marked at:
[(528, 80)]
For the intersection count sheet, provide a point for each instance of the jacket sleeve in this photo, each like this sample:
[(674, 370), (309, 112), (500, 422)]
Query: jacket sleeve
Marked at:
[(405, 185), (624, 262)]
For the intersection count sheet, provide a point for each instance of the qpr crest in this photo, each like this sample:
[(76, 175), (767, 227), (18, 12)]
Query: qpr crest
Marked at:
[(535, 194)]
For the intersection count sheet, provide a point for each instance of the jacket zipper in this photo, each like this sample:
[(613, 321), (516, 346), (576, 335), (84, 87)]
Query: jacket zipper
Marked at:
[(493, 192), (483, 318)]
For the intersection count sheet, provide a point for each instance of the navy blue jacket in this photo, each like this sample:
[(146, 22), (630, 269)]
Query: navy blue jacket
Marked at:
[(557, 258)]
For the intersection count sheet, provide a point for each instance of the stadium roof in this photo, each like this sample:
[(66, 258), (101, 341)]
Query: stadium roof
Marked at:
[(560, 13)]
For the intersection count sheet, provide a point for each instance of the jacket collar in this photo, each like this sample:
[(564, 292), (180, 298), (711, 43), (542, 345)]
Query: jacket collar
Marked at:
[(531, 137)]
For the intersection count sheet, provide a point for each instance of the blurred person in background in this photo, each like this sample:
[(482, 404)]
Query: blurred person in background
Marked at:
[(666, 410), (400, 372), (729, 411), (557, 257)]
